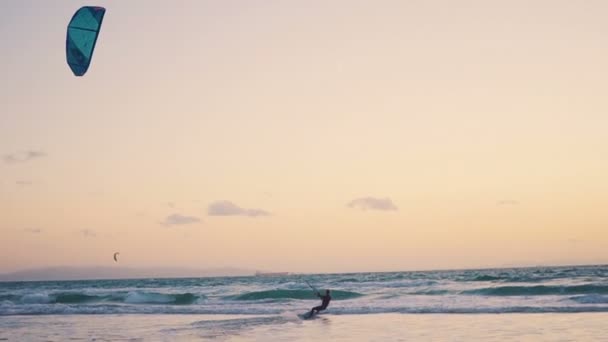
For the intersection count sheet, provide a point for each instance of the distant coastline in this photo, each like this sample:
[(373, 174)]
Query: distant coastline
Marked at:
[(271, 274), (64, 273)]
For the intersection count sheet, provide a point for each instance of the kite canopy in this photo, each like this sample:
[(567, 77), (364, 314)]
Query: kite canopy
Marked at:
[(82, 34), (116, 256)]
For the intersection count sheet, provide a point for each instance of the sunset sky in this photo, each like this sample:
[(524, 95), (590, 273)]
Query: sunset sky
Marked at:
[(306, 136)]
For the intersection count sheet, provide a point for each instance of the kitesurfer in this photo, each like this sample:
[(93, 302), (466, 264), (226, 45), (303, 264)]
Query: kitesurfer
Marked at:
[(324, 302)]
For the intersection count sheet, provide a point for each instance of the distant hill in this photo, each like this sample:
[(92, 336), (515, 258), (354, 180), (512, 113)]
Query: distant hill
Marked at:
[(85, 273)]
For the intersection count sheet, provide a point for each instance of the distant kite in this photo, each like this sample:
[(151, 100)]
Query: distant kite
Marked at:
[(82, 34), (116, 257)]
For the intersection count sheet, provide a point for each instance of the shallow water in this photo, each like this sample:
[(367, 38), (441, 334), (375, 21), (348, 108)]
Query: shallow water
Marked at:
[(287, 327)]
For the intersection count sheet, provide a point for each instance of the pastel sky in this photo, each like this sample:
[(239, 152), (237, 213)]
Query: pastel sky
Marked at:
[(306, 136)]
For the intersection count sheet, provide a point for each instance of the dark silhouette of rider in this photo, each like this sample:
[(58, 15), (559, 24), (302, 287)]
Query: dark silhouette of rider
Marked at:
[(325, 302)]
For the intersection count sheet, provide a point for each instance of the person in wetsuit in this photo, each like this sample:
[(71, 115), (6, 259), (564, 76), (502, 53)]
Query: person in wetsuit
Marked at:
[(325, 302)]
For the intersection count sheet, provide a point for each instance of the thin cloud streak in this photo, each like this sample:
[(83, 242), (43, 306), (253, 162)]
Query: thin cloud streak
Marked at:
[(179, 220), (373, 203), (22, 157), (32, 230), (507, 202), (87, 233), (227, 208)]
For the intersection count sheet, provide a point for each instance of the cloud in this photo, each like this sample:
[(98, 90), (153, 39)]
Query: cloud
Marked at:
[(88, 233), (507, 202), (24, 182), (179, 219), (33, 230), (373, 203), (227, 208), (22, 157)]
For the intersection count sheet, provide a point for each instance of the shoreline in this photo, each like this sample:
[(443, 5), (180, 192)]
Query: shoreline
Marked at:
[(287, 327)]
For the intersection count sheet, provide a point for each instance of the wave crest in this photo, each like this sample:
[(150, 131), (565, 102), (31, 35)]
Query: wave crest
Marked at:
[(135, 297), (293, 294), (159, 298), (538, 290), (590, 299)]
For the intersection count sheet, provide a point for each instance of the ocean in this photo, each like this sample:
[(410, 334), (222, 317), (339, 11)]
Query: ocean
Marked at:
[(232, 307)]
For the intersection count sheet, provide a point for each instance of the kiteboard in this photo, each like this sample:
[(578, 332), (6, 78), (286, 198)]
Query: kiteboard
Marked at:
[(310, 315), (307, 315)]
